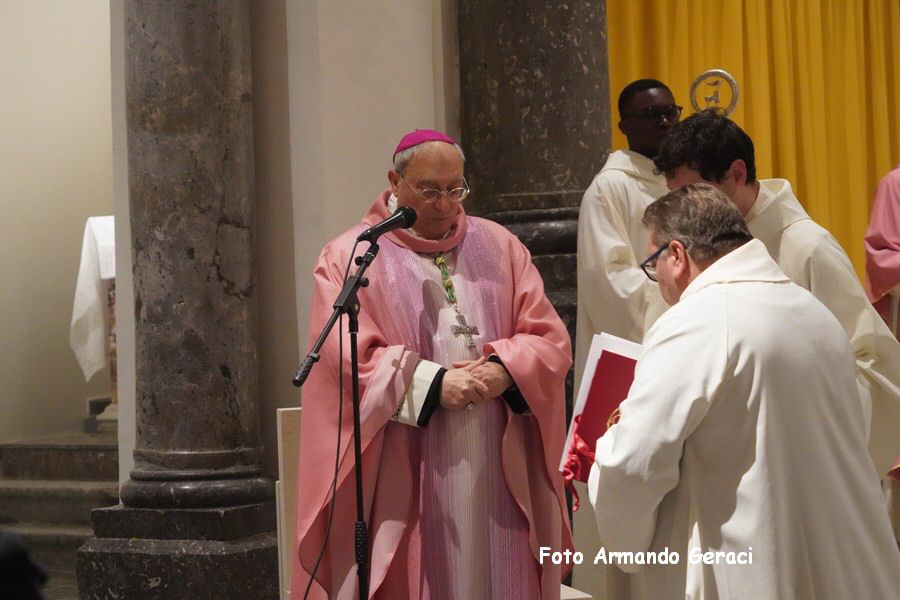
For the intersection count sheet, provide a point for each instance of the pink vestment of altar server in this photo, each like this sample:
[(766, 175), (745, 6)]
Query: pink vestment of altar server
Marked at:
[(459, 508), (883, 243)]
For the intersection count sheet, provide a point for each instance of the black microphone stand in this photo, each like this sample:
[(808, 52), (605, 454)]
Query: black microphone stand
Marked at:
[(348, 303)]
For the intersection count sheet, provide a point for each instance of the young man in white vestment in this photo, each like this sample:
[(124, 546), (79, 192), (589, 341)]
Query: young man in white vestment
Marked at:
[(614, 296), (710, 147), (744, 405)]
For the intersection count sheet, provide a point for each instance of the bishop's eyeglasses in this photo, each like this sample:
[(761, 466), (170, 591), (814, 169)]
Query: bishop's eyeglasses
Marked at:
[(432, 195)]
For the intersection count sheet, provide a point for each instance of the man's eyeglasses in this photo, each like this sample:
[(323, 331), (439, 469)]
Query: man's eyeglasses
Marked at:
[(654, 113), (649, 265), (431, 195)]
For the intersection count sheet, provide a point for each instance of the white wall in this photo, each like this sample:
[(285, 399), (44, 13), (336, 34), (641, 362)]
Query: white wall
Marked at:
[(361, 75), (55, 171), (124, 282), (277, 331)]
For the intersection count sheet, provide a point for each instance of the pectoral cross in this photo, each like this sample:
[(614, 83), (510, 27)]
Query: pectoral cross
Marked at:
[(465, 329)]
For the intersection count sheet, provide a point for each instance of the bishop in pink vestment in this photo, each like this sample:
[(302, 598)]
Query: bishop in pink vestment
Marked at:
[(883, 259), (883, 249), (459, 498)]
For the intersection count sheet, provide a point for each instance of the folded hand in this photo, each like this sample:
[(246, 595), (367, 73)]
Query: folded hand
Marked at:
[(493, 375), (460, 387)]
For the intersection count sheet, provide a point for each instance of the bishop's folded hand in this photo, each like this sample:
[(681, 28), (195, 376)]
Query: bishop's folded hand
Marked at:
[(460, 388), (494, 376)]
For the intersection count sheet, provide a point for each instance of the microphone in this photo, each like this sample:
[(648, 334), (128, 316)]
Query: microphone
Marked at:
[(402, 218)]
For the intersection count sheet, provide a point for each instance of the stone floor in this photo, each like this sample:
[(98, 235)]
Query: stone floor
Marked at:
[(61, 585)]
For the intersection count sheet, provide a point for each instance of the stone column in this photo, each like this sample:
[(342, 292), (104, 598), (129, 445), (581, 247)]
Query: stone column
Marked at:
[(535, 121), (197, 517)]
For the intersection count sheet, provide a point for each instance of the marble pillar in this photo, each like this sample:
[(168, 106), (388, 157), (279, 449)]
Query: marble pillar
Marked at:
[(535, 122), (197, 515)]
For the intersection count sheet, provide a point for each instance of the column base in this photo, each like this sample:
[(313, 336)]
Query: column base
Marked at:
[(139, 569), (222, 524), (195, 489), (221, 553)]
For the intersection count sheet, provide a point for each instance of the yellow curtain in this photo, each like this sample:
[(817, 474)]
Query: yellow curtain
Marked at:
[(819, 84)]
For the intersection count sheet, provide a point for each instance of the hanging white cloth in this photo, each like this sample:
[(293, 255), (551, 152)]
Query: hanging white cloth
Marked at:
[(87, 334)]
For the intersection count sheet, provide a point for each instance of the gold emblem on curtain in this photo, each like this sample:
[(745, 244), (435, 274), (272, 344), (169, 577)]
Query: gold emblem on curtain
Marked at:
[(717, 89)]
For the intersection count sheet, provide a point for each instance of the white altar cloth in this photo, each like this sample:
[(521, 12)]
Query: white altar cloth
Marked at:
[(88, 332)]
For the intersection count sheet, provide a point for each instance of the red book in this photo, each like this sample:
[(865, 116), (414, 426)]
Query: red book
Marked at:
[(607, 377)]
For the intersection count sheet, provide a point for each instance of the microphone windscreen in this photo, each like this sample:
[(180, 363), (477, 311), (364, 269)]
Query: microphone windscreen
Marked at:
[(409, 216)]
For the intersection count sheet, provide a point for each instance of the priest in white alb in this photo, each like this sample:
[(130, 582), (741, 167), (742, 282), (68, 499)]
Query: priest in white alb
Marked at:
[(710, 147), (462, 365), (745, 403)]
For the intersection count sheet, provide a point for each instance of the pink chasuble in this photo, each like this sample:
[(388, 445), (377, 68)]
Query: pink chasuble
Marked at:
[(457, 509), (883, 248)]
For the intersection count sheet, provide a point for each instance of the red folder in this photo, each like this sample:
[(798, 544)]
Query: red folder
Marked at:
[(609, 386), (599, 398)]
